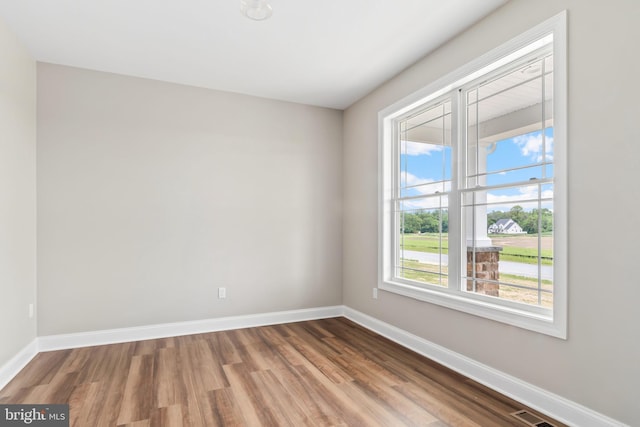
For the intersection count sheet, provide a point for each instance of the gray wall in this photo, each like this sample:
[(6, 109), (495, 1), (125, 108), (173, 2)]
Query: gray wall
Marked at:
[(17, 195), (152, 195), (598, 365)]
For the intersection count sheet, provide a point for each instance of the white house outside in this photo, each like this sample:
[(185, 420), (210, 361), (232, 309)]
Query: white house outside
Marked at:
[(506, 226)]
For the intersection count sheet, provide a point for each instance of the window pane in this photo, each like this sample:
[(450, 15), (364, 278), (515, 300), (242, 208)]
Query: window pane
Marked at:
[(509, 228), (519, 151), (423, 241), (515, 80), (508, 161), (425, 152), (509, 124), (514, 259)]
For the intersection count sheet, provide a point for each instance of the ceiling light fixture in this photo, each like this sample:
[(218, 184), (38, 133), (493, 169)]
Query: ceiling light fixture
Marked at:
[(258, 10)]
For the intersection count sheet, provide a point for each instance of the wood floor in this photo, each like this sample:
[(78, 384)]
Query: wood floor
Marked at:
[(328, 372)]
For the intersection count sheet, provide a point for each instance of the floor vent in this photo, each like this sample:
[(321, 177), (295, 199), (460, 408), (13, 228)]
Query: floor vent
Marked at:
[(531, 419)]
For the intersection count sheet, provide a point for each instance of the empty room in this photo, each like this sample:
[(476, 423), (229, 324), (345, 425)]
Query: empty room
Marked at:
[(336, 213)]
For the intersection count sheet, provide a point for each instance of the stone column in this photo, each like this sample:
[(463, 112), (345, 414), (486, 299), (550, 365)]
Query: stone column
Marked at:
[(487, 260), (482, 257)]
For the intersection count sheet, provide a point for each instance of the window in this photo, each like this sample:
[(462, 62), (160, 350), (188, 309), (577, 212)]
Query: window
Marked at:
[(473, 186)]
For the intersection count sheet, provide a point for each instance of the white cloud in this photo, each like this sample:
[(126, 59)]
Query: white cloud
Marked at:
[(410, 179), (428, 203), (424, 186), (421, 185), (531, 146), (507, 201), (411, 148)]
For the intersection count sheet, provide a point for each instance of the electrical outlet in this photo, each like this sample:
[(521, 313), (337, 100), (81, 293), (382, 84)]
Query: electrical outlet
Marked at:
[(30, 311), (222, 293), (375, 293)]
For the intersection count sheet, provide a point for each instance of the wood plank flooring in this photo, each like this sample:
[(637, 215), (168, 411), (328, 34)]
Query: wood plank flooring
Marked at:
[(328, 372)]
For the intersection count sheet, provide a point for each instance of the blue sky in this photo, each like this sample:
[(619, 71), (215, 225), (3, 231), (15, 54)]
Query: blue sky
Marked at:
[(423, 164)]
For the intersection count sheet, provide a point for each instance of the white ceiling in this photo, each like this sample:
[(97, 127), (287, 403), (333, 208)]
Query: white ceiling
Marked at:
[(324, 52)]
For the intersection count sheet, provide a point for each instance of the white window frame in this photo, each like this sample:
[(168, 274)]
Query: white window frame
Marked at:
[(549, 321)]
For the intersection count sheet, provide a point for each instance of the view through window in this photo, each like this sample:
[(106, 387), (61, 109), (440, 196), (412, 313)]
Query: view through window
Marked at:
[(469, 189), (506, 188)]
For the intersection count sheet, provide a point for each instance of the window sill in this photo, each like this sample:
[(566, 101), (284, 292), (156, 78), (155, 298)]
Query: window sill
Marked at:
[(481, 306)]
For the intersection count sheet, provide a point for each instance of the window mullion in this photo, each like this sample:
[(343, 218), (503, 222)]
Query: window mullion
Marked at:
[(455, 242), (397, 182), (540, 243)]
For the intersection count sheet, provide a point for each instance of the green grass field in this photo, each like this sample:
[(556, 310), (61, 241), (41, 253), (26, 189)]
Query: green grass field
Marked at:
[(435, 275), (519, 248)]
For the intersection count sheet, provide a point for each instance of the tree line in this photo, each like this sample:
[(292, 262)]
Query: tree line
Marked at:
[(438, 221), (426, 222), (527, 220)]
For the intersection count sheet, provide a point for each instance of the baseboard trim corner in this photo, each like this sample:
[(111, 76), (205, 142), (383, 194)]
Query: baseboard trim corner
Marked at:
[(139, 333), (10, 369), (558, 407)]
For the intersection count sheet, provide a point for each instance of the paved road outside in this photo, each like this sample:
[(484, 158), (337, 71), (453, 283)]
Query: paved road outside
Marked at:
[(506, 267)]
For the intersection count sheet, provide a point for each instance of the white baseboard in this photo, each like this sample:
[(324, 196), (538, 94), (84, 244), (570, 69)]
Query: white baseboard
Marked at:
[(17, 362), (113, 336), (555, 406)]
